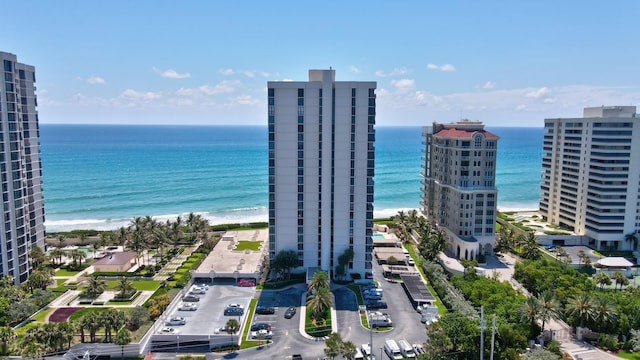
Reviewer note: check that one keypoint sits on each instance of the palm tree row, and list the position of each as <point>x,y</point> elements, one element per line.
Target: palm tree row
<point>432,241</point>
<point>320,296</point>
<point>111,321</point>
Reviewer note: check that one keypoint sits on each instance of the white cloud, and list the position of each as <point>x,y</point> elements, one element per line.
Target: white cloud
<point>227,71</point>
<point>172,74</point>
<point>489,85</point>
<point>354,69</point>
<point>403,85</point>
<point>394,72</point>
<point>445,67</point>
<point>95,80</point>
<point>536,94</point>
<point>246,100</point>
<point>131,94</point>
<point>225,86</point>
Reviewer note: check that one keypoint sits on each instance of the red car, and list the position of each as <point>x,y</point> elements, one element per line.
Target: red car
<point>246,282</point>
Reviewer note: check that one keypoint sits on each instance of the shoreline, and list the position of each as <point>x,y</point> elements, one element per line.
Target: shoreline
<point>242,217</point>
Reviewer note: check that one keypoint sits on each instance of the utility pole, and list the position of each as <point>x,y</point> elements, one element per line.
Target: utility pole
<point>371,343</point>
<point>482,333</point>
<point>493,334</point>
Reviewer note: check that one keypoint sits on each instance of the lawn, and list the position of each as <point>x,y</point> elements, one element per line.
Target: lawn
<point>248,245</point>
<point>248,344</point>
<point>42,315</point>
<point>59,282</point>
<point>629,355</point>
<point>318,330</point>
<point>63,272</point>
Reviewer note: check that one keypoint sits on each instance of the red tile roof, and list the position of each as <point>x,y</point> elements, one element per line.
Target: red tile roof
<point>457,133</point>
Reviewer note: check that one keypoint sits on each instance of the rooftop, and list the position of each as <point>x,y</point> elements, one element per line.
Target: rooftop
<point>116,258</point>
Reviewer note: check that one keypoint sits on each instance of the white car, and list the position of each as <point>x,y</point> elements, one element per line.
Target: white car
<point>235,306</point>
<point>261,334</point>
<point>204,286</point>
<point>168,330</point>
<point>188,307</point>
<point>197,290</point>
<point>177,320</point>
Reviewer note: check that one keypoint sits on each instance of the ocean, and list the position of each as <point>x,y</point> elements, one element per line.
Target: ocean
<point>101,176</point>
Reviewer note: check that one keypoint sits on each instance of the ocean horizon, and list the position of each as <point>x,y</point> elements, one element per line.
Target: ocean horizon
<point>101,176</point>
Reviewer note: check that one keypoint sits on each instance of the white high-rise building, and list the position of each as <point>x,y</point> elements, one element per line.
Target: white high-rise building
<point>321,167</point>
<point>459,189</point>
<point>591,175</point>
<point>22,225</point>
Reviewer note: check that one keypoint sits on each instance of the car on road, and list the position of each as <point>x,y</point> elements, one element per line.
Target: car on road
<point>261,334</point>
<point>291,311</point>
<point>188,307</point>
<point>265,310</point>
<point>177,320</point>
<point>260,326</point>
<point>374,305</point>
<point>168,330</point>
<point>233,311</point>
<point>191,298</point>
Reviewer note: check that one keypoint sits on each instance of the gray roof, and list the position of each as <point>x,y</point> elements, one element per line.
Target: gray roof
<point>116,258</point>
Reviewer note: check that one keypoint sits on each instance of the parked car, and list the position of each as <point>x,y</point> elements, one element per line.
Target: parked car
<point>246,282</point>
<point>372,296</point>
<point>235,306</point>
<point>264,334</point>
<point>260,326</point>
<point>197,290</point>
<point>296,357</point>
<point>233,311</point>
<point>410,261</point>
<point>188,307</point>
<point>419,349</point>
<point>168,330</point>
<point>291,311</point>
<point>204,286</point>
<point>177,320</point>
<point>366,351</point>
<point>265,310</point>
<point>373,305</point>
<point>191,298</point>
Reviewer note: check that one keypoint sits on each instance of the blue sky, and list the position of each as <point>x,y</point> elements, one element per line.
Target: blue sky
<point>506,63</point>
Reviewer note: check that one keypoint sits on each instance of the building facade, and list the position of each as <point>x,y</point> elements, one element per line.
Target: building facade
<point>459,191</point>
<point>591,175</point>
<point>321,168</point>
<point>22,227</point>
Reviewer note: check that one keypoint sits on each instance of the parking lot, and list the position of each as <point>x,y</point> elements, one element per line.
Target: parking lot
<point>209,317</point>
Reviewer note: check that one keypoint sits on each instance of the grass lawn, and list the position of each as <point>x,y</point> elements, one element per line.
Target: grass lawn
<point>248,344</point>
<point>39,317</point>
<point>248,245</point>
<point>63,272</point>
<point>78,314</point>
<point>143,285</point>
<point>59,282</point>
<point>629,355</point>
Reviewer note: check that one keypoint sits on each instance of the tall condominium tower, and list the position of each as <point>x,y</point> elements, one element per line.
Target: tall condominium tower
<point>321,167</point>
<point>22,210</point>
<point>591,175</point>
<point>459,185</point>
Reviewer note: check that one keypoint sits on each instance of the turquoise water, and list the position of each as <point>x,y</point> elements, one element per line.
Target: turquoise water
<point>101,176</point>
<point>377,236</point>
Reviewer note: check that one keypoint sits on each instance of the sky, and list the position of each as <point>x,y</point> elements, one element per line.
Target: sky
<point>506,63</point>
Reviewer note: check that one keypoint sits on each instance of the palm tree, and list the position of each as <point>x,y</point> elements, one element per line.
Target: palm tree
<point>601,279</point>
<point>349,350</point>
<point>37,257</point>
<point>123,337</point>
<point>632,238</point>
<point>529,246</point>
<point>32,350</point>
<point>66,333</point>
<point>531,310</point>
<point>78,255</point>
<point>620,279</point>
<point>581,256</point>
<point>60,241</point>
<point>231,327</point>
<point>581,307</point>
<point>549,307</point>
<point>56,253</point>
<point>111,320</point>
<point>604,311</point>
<point>318,280</point>
<point>91,322</point>
<point>318,302</point>
<point>7,335</point>
<point>125,287</point>
<point>95,287</point>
